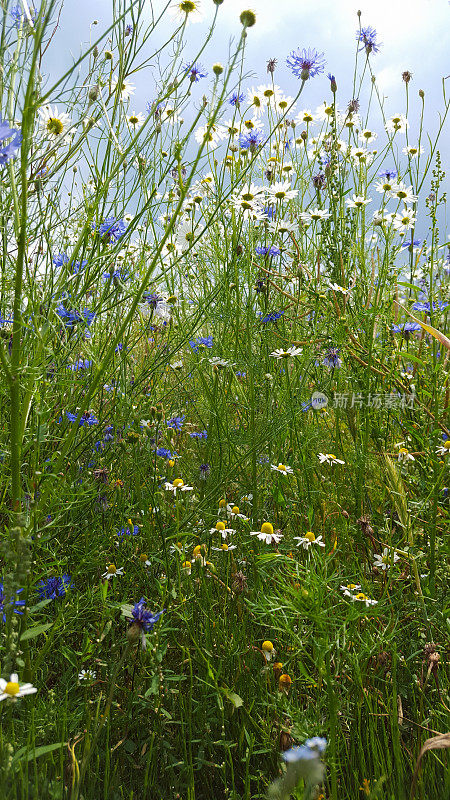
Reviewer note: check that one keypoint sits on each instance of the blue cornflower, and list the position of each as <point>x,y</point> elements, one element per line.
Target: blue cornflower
<point>414,243</point>
<point>142,622</point>
<point>20,17</point>
<point>86,419</point>
<point>63,258</point>
<point>112,229</point>
<point>368,37</point>
<point>196,71</point>
<point>54,587</point>
<point>205,469</point>
<point>270,212</point>
<point>268,251</point>
<point>10,150</point>
<point>236,99</point>
<point>426,306</point>
<point>250,141</point>
<point>199,435</point>
<point>12,602</point>
<point>332,360</point>
<point>153,299</point>
<point>164,453</point>
<point>389,174</point>
<point>272,317</point>
<point>176,423</point>
<point>108,433</point>
<point>133,531</point>
<point>82,363</point>
<point>406,328</point>
<point>306,64</point>
<point>201,341</point>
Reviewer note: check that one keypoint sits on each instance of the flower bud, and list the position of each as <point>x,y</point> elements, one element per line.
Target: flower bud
<point>217,69</point>
<point>248,18</point>
<point>108,55</point>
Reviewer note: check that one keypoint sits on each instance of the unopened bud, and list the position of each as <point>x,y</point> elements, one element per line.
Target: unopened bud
<point>248,18</point>
<point>217,69</point>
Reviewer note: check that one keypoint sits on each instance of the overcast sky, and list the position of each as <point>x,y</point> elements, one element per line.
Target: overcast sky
<point>415,36</point>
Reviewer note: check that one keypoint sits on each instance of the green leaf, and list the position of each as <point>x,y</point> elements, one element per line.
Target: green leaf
<point>31,633</point>
<point>233,698</point>
<point>28,754</point>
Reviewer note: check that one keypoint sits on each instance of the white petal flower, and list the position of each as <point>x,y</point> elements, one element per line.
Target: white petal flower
<point>112,572</point>
<point>283,468</point>
<point>289,353</point>
<point>309,539</point>
<point>126,88</point>
<point>385,561</point>
<point>329,458</point>
<point>12,689</point>
<point>55,125</point>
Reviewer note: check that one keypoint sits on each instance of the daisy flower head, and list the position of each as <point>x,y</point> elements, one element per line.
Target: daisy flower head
<point>309,539</point>
<point>177,485</point>
<point>362,598</point>
<point>268,650</point>
<point>282,468</point>
<point>87,675</point>
<point>135,120</point>
<point>444,449</point>
<point>397,124</point>
<point>413,151</point>
<point>12,689</point>
<point>289,353</point>
<point>329,458</point>
<point>306,63</point>
<point>315,215</point>
<point>112,572</point>
<point>350,588</point>
<point>224,547</point>
<point>221,528</point>
<point>386,560</point>
<point>125,88</point>
<point>403,192</point>
<point>404,220</point>
<point>305,117</point>
<point>358,201</point>
<point>186,11</point>
<point>54,124</point>
<point>282,190</point>
<point>267,534</point>
<point>234,513</point>
<point>403,452</point>
<point>257,101</point>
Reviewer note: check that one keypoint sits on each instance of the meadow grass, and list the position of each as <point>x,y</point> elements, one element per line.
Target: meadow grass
<point>225,440</point>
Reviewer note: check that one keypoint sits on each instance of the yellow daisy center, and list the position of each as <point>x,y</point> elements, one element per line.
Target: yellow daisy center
<point>361,596</point>
<point>222,503</point>
<point>446,444</point>
<point>220,526</point>
<point>282,467</point>
<point>112,569</point>
<point>187,6</point>
<point>224,546</point>
<point>12,688</point>
<point>267,646</point>
<point>267,527</point>
<point>178,483</point>
<point>310,536</point>
<point>143,557</point>
<point>54,125</point>
<point>235,510</point>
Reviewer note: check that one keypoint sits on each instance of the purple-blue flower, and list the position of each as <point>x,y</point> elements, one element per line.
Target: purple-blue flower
<point>236,99</point>
<point>143,620</point>
<point>306,63</point>
<point>196,71</point>
<point>199,435</point>
<point>268,251</point>
<point>272,317</point>
<point>250,141</point>
<point>10,150</point>
<point>332,360</point>
<point>111,228</point>
<point>17,604</point>
<point>368,38</point>
<point>54,587</point>
<point>176,423</point>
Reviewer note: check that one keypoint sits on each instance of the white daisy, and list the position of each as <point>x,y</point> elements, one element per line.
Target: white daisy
<point>289,353</point>
<point>283,468</point>
<point>358,201</point>
<point>444,449</point>
<point>54,124</point>
<point>126,88</point>
<point>404,220</point>
<point>413,151</point>
<point>87,675</point>
<point>350,588</point>
<point>282,191</point>
<point>135,120</point>
<point>177,486</point>
<point>267,535</point>
<point>257,101</point>
<point>211,134</point>
<point>386,560</point>
<point>315,215</point>
<point>362,598</point>
<point>224,548</point>
<point>234,513</point>
<point>12,689</point>
<point>403,192</point>
<point>367,136</point>
<point>112,572</point>
<point>305,117</point>
<point>308,539</point>
<point>329,458</point>
<point>220,528</point>
<point>403,453</point>
<point>397,124</point>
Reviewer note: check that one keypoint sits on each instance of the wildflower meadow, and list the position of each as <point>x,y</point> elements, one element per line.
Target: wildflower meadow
<point>225,430</point>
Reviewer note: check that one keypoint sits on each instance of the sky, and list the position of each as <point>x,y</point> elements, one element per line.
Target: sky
<point>415,36</point>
